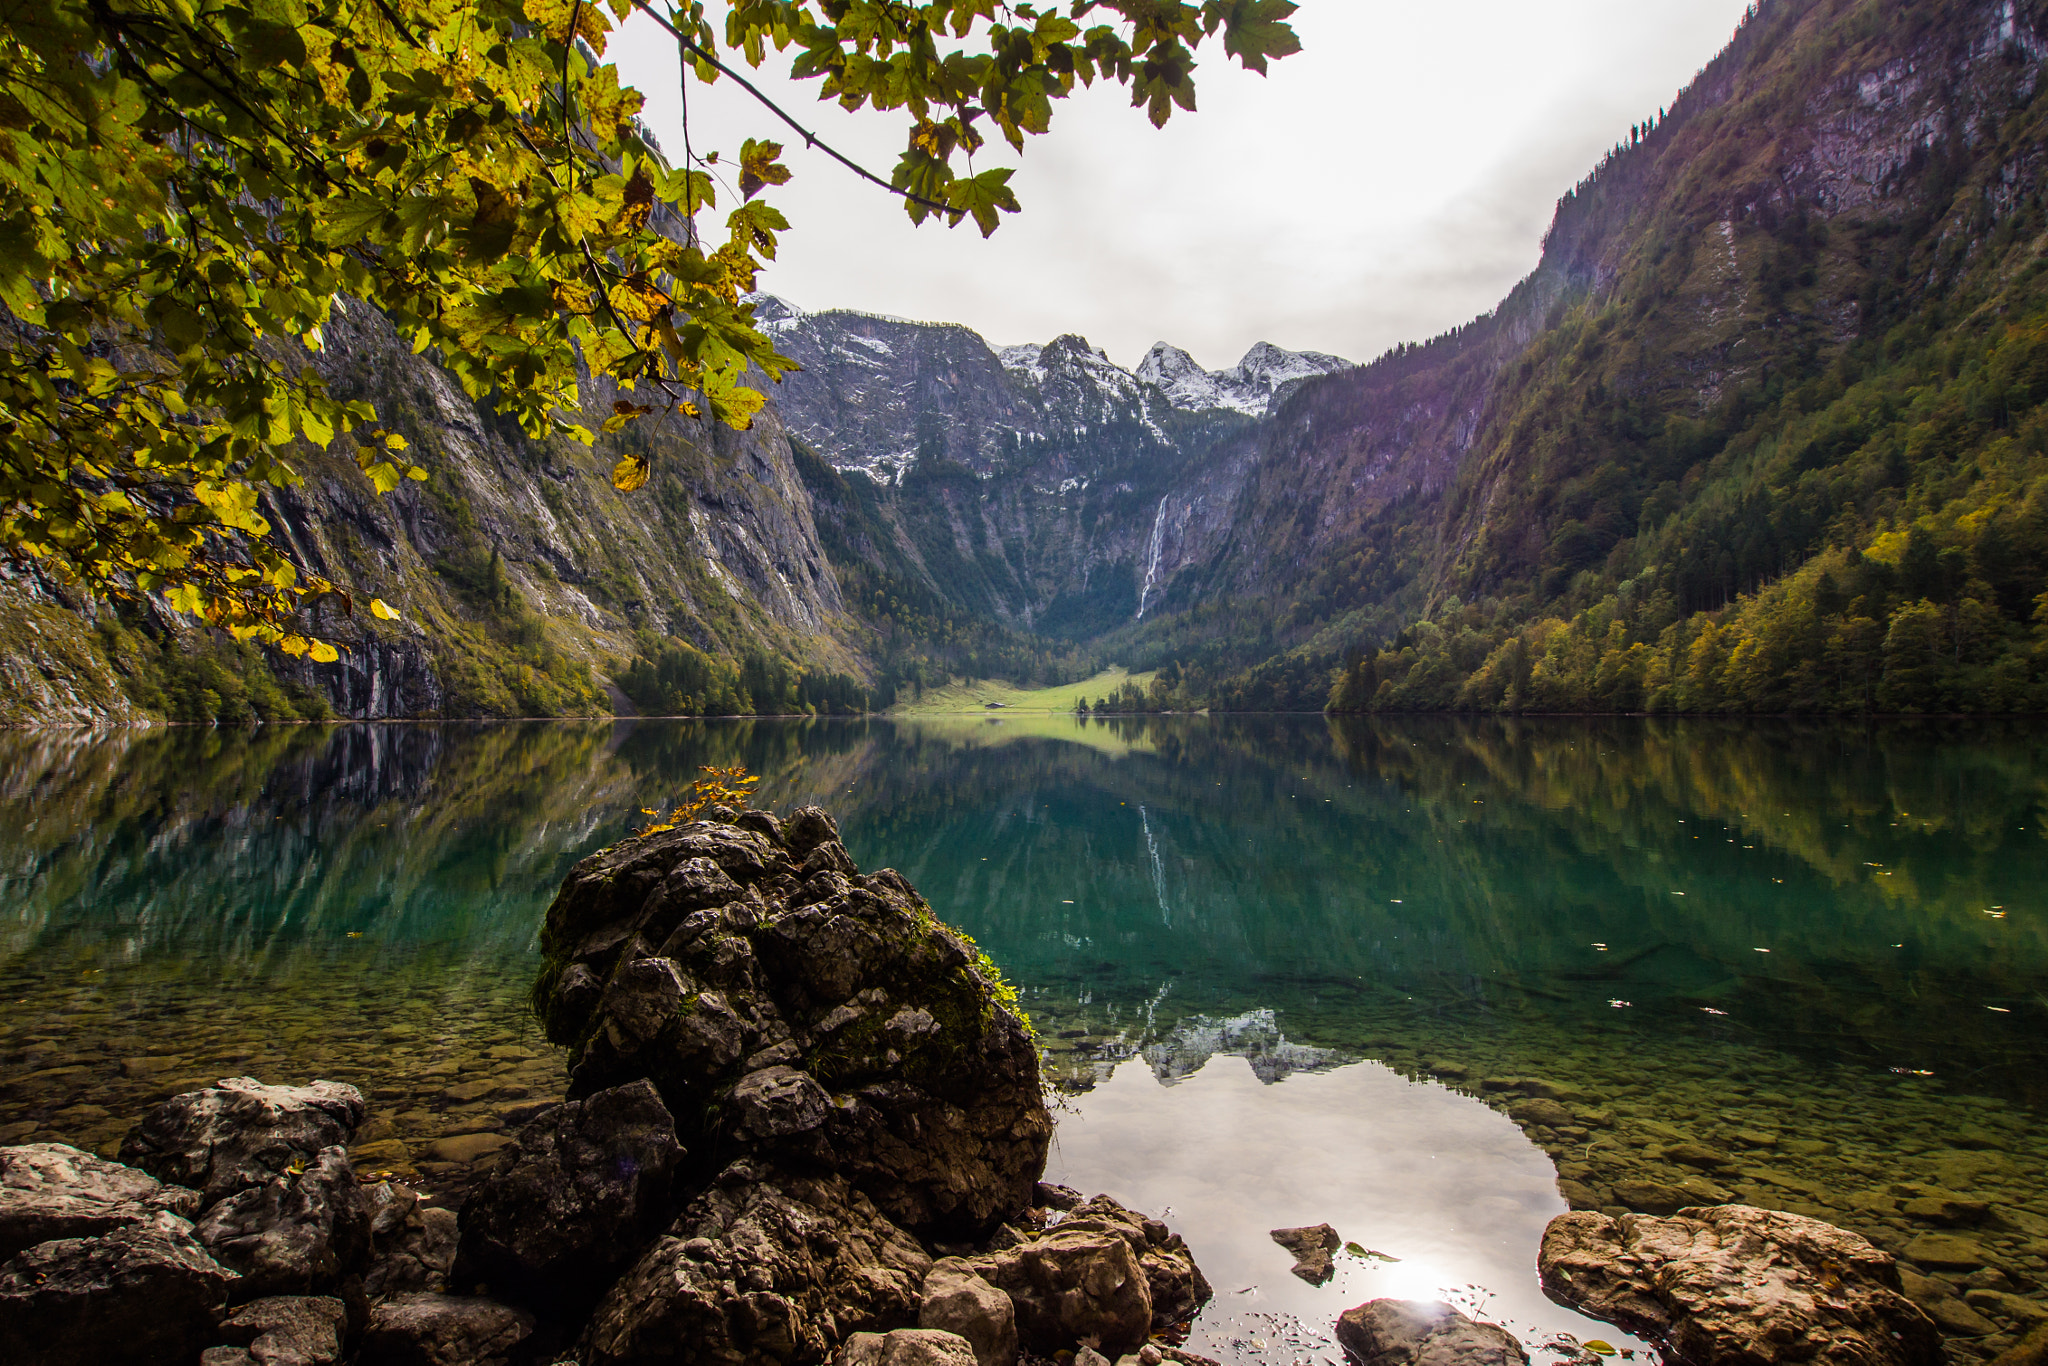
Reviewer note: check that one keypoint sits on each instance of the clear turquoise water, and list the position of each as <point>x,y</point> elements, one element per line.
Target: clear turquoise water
<point>1274,959</point>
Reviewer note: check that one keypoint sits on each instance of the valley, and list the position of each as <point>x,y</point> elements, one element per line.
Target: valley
<point>1763,431</point>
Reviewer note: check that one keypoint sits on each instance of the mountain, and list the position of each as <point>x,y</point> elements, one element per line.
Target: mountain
<point>1766,429</point>
<point>1762,432</point>
<point>1265,376</point>
<point>522,577</point>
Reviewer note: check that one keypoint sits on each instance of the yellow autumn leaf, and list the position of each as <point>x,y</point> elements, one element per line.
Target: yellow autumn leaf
<point>382,610</point>
<point>323,653</point>
<point>630,473</point>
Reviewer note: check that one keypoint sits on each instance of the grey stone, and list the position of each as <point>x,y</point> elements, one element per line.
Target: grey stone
<point>766,1266</point>
<point>956,1300</point>
<point>144,1294</point>
<point>1419,1333</point>
<point>1736,1283</point>
<point>52,1190</point>
<point>580,1194</point>
<point>301,1233</point>
<point>412,1246</point>
<point>241,1133</point>
<point>906,1347</point>
<point>443,1330</point>
<point>285,1330</point>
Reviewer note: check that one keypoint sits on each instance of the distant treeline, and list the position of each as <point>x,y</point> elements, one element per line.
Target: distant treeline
<point>674,678</point>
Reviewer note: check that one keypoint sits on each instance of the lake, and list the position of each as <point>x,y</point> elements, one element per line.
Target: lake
<point>1422,978</point>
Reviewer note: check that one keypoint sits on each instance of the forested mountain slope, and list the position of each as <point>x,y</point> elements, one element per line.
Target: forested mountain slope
<point>1776,442</point>
<point>519,573</point>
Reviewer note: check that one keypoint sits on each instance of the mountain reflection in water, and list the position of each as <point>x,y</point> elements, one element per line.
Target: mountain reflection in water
<point>1818,949</point>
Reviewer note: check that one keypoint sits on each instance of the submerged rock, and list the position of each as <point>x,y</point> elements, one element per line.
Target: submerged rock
<point>765,1266</point>
<point>52,1190</point>
<point>786,1005</point>
<point>241,1133</point>
<point>146,1293</point>
<point>581,1191</point>
<point>1313,1249</point>
<point>301,1233</point>
<point>1735,1283</point>
<point>1420,1333</point>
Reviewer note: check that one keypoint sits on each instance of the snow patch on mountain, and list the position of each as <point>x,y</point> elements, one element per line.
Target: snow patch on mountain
<point>1266,373</point>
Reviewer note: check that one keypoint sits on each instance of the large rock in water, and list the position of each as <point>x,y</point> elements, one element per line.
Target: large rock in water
<point>240,1133</point>
<point>301,1233</point>
<point>1423,1333</point>
<point>1733,1285</point>
<point>52,1190</point>
<point>583,1188</point>
<point>764,1267</point>
<point>786,1005</point>
<point>1102,1273</point>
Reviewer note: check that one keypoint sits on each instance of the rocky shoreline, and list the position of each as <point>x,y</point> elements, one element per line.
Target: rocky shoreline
<point>802,1123</point>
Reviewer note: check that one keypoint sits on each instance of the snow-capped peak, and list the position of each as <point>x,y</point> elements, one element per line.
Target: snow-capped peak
<point>1248,388</point>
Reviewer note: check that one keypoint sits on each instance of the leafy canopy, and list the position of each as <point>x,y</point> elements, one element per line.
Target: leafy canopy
<point>190,188</point>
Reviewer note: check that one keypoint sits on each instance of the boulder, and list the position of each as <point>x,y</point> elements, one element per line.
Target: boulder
<point>906,1347</point>
<point>412,1246</point>
<point>240,1133</point>
<point>142,1294</point>
<point>285,1330</point>
<point>1420,1333</point>
<point>1313,1249</point>
<point>956,1300</point>
<point>301,1233</point>
<point>787,1006</point>
<point>52,1190</point>
<point>580,1193</point>
<point>443,1330</point>
<point>766,1266</point>
<point>1070,1284</point>
<point>1733,1283</point>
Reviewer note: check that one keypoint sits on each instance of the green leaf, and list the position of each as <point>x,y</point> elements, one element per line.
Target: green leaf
<point>1598,1347</point>
<point>984,196</point>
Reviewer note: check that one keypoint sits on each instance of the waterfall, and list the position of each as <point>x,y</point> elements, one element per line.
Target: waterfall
<point>1152,568</point>
<point>1158,871</point>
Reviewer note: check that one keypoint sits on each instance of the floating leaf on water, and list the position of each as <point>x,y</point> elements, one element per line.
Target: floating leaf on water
<point>1368,1254</point>
<point>1599,1346</point>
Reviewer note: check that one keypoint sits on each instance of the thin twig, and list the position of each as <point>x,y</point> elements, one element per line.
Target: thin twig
<point>810,139</point>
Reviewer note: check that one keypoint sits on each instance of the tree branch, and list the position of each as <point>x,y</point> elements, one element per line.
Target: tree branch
<point>810,139</point>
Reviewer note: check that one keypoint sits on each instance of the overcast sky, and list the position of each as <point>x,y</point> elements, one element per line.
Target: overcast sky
<point>1390,182</point>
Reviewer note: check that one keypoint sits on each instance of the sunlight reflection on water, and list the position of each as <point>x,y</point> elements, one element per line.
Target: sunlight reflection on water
<point>1410,1169</point>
